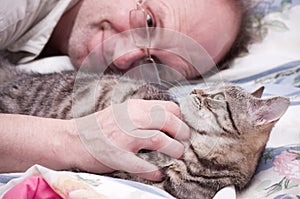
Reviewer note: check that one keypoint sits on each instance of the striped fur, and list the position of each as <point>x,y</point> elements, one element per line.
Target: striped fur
<point>54,96</point>
<point>227,135</point>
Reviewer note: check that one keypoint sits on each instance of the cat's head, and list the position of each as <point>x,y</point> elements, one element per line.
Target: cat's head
<point>226,108</point>
<point>231,126</point>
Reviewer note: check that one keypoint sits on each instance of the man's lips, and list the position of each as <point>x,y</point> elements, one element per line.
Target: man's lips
<point>112,69</point>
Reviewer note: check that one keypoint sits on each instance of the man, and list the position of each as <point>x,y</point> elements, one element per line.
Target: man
<point>105,30</point>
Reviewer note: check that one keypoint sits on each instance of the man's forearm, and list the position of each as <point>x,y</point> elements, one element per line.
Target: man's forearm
<point>28,140</point>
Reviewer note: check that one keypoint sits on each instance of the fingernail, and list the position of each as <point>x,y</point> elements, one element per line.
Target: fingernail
<point>185,133</point>
<point>159,176</point>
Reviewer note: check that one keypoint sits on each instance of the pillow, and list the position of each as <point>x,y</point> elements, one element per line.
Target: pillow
<point>280,25</point>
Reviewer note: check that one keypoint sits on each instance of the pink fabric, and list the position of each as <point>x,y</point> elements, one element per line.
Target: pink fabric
<point>32,188</point>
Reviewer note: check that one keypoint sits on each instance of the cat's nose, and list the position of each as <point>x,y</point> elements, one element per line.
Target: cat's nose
<point>199,92</point>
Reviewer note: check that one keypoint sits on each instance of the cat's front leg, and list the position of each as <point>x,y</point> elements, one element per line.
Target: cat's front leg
<point>150,92</point>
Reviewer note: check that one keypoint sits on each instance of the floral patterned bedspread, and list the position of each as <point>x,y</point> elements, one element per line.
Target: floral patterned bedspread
<point>278,175</point>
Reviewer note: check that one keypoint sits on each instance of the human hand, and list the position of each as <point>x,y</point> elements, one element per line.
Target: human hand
<point>114,135</point>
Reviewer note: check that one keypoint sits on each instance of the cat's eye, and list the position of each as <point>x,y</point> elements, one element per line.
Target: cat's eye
<point>219,97</point>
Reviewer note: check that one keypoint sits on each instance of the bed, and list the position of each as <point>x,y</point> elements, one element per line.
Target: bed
<point>273,62</point>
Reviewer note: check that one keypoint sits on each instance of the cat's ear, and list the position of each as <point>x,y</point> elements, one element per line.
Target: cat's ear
<point>258,92</point>
<point>270,110</point>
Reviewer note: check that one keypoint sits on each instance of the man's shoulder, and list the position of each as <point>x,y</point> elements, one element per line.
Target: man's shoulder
<point>29,26</point>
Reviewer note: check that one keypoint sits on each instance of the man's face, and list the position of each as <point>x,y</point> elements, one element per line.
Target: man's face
<point>101,31</point>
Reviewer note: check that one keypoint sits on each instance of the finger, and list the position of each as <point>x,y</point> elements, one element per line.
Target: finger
<point>137,166</point>
<point>153,175</point>
<point>164,105</point>
<point>173,148</point>
<point>169,123</point>
<point>171,107</point>
<point>159,141</point>
<point>176,127</point>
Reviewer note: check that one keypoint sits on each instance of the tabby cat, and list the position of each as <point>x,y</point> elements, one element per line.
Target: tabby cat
<point>229,126</point>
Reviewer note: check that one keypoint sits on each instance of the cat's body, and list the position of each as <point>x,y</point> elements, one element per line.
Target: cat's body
<point>54,96</point>
<point>229,127</point>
